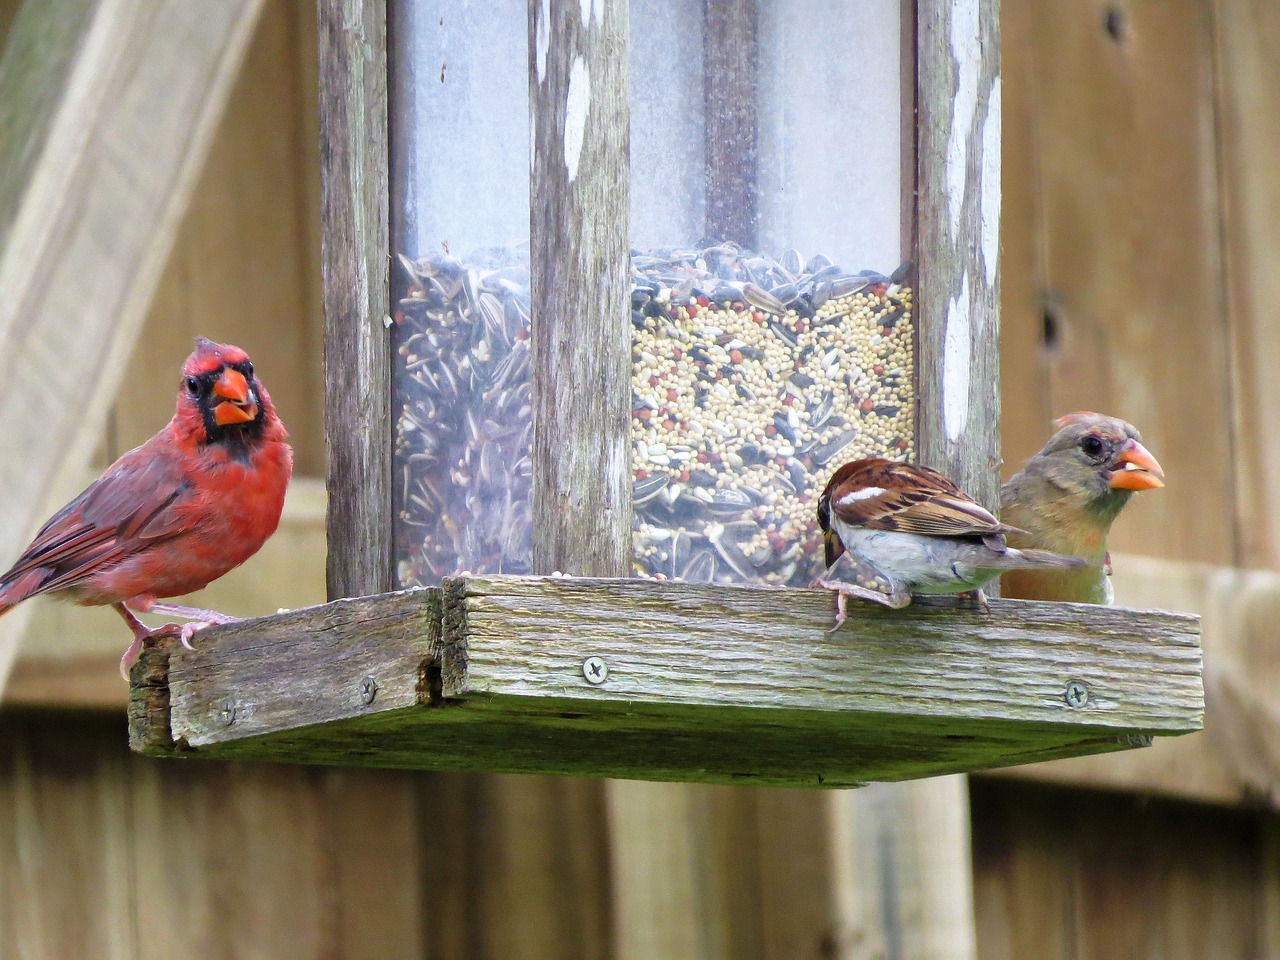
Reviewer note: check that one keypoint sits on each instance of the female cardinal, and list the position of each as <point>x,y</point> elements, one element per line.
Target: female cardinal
<point>1067,497</point>
<point>170,516</point>
<point>893,529</point>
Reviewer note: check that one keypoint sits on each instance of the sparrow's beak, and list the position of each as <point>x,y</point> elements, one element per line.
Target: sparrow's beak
<point>237,404</point>
<point>1136,469</point>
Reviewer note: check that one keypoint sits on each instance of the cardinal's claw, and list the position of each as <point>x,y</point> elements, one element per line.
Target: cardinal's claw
<point>130,657</point>
<point>189,630</point>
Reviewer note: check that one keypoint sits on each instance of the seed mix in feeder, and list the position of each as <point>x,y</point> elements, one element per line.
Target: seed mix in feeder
<point>753,380</point>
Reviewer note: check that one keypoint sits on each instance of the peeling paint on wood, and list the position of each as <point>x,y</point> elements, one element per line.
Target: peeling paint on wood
<point>958,241</point>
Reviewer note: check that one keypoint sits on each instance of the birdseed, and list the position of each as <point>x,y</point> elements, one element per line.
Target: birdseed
<point>754,379</point>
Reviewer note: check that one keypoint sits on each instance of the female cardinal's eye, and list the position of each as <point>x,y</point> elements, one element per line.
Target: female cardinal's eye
<point>192,384</point>
<point>1091,445</point>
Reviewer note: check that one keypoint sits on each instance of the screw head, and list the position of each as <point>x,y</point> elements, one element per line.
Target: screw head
<point>227,711</point>
<point>368,690</point>
<point>1077,693</point>
<point>595,670</point>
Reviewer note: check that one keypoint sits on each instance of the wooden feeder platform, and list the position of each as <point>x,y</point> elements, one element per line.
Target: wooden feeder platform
<point>670,681</point>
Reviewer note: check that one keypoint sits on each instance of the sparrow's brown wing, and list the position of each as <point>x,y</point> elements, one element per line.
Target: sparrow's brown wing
<point>886,495</point>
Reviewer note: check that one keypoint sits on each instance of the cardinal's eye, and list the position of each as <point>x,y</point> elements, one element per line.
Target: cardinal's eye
<point>1091,445</point>
<point>192,385</point>
<point>248,370</point>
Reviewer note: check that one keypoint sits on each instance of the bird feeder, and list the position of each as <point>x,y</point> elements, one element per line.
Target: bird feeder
<point>745,266</point>
<point>611,289</point>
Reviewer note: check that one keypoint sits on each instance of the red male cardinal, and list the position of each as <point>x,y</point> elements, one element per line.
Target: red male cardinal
<point>893,529</point>
<point>196,500</point>
<point>1067,497</point>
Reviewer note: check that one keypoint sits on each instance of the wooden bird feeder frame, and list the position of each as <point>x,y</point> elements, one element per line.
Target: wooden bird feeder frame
<point>604,675</point>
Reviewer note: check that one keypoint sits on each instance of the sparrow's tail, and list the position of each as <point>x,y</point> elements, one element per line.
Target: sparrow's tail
<point>1024,559</point>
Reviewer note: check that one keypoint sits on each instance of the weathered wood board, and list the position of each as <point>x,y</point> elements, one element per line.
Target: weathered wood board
<point>704,683</point>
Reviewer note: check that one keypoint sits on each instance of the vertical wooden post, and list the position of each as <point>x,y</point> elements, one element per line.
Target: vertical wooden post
<point>579,211</point>
<point>357,356</point>
<point>958,325</point>
<point>579,203</point>
<point>916,835</point>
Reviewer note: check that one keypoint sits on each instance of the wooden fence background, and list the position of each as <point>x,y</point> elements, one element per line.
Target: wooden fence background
<point>1141,277</point>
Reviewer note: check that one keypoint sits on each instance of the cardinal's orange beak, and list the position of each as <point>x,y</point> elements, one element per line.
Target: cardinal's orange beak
<point>1136,469</point>
<point>237,405</point>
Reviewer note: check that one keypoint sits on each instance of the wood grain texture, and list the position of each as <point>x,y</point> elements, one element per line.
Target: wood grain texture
<point>1236,758</point>
<point>687,873</point>
<point>958,212</point>
<point>110,122</point>
<point>357,355</point>
<point>64,843</point>
<point>1059,874</point>
<point>913,837</point>
<point>579,210</point>
<point>735,684</point>
<point>322,674</point>
<point>1246,36</point>
<point>103,854</point>
<point>1129,254</point>
<point>285,862</point>
<point>1025,353</point>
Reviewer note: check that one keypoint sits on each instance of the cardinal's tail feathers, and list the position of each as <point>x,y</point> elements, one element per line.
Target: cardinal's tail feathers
<point>1042,558</point>
<point>20,588</point>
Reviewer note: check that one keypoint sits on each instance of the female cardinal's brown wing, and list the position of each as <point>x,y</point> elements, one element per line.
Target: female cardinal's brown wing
<point>880,494</point>
<point>131,503</point>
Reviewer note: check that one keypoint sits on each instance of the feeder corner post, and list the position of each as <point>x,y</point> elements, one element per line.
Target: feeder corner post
<point>579,257</point>
<point>355,207</point>
<point>958,242</point>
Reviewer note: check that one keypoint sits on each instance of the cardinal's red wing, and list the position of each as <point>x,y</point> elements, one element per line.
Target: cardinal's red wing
<point>132,502</point>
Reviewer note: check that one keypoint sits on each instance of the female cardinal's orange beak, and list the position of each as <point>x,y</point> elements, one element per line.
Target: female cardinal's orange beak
<point>1136,469</point>
<point>236,405</point>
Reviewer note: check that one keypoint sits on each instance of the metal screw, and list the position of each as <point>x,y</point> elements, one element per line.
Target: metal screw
<point>1077,694</point>
<point>228,711</point>
<point>368,690</point>
<point>595,670</point>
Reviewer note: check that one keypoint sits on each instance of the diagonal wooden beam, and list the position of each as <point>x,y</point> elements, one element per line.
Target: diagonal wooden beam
<point>107,108</point>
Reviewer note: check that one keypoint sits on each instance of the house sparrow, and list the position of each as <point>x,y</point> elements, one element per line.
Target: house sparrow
<point>168,517</point>
<point>893,529</point>
<point>1067,497</point>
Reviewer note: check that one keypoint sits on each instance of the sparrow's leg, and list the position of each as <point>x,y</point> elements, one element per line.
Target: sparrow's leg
<point>845,590</point>
<point>979,599</point>
<point>854,576</point>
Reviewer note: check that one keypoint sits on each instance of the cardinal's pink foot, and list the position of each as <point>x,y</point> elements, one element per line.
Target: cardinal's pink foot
<point>184,632</point>
<point>200,618</point>
<point>141,634</point>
